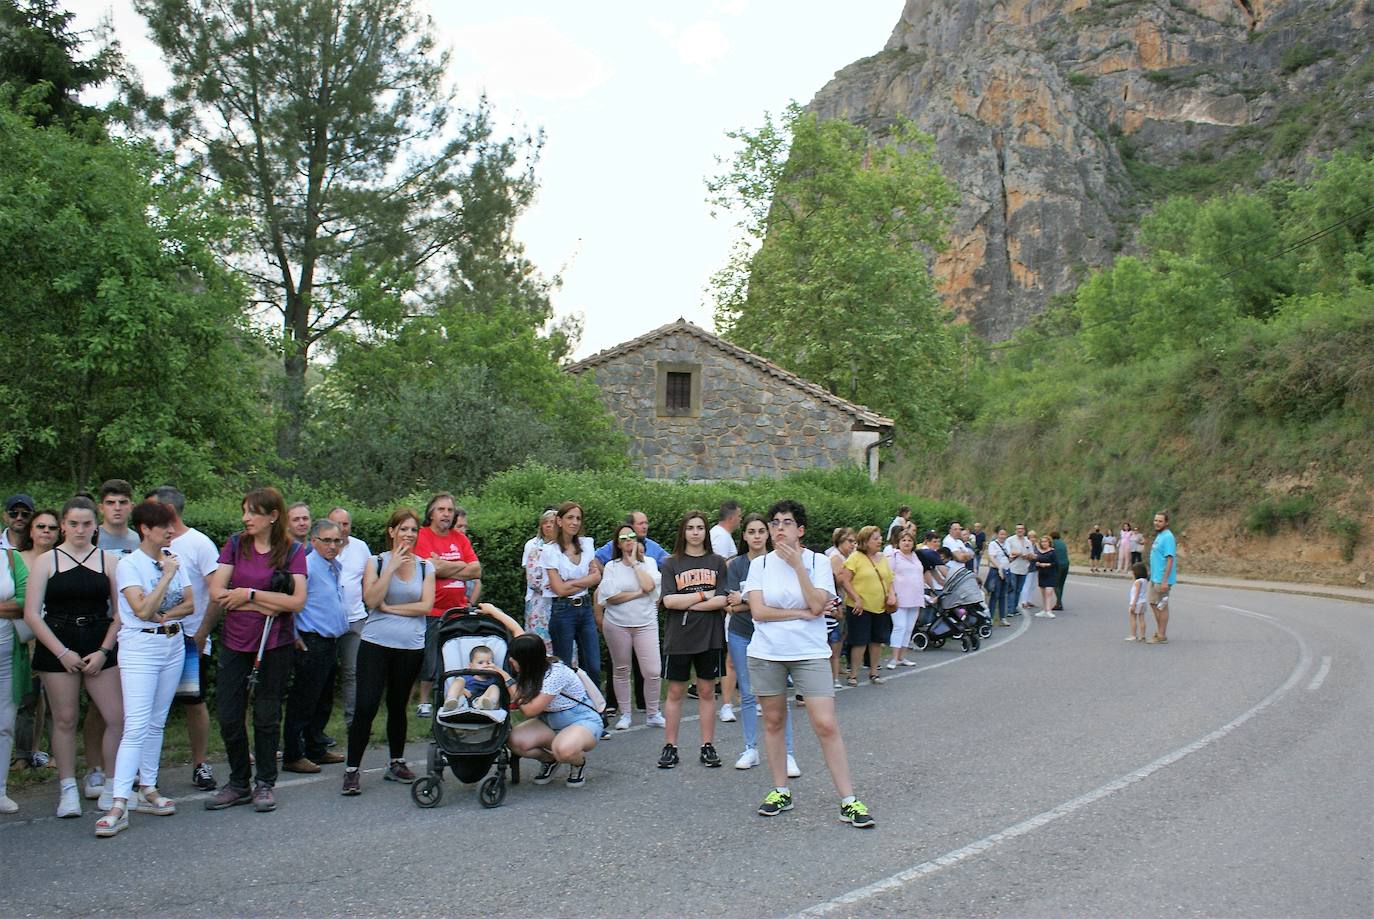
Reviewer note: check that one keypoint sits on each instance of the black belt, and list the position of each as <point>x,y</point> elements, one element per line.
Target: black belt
<point>80,622</point>
<point>173,629</point>
<point>574,601</point>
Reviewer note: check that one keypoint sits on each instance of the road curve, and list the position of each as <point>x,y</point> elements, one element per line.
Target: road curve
<point>1058,772</point>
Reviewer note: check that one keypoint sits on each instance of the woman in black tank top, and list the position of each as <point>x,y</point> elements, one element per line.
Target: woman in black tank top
<point>76,641</point>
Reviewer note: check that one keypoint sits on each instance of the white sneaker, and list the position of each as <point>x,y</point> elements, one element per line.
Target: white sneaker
<point>69,804</point>
<point>748,759</point>
<point>424,710</point>
<point>891,665</point>
<point>106,800</point>
<point>793,770</point>
<point>7,805</point>
<point>93,785</point>
<point>727,712</point>
<point>453,706</point>
<point>623,722</point>
<point>656,721</point>
<point>908,663</point>
<point>1044,614</point>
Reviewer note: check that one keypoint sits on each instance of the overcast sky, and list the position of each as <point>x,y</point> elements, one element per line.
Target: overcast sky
<point>635,98</point>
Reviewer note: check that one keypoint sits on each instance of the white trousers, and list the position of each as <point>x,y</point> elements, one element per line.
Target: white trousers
<point>7,706</point>
<point>149,670</point>
<point>903,621</point>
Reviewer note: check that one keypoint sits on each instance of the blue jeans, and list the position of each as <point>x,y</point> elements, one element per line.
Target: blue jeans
<point>571,623</point>
<point>748,711</point>
<point>997,594</point>
<point>1013,601</point>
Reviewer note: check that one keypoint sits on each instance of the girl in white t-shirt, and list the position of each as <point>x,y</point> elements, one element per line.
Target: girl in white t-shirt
<point>1138,602</point>
<point>572,573</point>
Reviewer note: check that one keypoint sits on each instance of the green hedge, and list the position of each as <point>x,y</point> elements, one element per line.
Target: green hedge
<point>503,515</point>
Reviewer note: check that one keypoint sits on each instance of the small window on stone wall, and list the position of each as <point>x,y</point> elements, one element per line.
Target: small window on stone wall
<point>678,390</point>
<point>678,396</point>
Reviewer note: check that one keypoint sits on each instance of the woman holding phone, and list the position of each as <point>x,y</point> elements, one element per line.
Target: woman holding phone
<point>398,589</point>
<point>154,595</point>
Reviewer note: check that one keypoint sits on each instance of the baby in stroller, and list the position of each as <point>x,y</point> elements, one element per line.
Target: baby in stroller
<point>475,692</point>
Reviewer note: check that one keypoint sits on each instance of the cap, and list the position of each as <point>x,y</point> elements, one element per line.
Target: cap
<point>931,534</point>
<point>14,501</point>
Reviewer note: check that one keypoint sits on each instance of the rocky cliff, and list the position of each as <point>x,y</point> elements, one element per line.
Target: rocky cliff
<point>1060,120</point>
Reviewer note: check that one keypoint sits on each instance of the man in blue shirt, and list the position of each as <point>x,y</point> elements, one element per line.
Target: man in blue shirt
<point>639,522</point>
<point>1163,576</point>
<point>318,627</point>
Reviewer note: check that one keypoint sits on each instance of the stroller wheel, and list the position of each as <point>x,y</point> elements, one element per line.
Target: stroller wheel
<point>492,791</point>
<point>974,640</point>
<point>966,642</point>
<point>920,641</point>
<point>984,631</point>
<point>427,791</point>
<point>938,643</point>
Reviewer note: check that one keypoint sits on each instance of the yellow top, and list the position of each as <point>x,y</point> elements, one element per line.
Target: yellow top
<point>871,581</point>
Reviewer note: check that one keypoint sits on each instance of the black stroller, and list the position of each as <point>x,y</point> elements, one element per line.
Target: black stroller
<point>467,741</point>
<point>956,612</point>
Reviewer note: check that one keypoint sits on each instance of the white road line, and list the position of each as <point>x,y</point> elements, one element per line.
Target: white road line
<point>964,853</point>
<point>1247,612</point>
<point>1320,678</point>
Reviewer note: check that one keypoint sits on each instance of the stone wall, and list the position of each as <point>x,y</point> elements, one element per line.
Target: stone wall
<point>749,424</point>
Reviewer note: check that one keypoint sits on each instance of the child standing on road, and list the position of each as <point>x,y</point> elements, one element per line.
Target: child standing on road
<point>1138,601</point>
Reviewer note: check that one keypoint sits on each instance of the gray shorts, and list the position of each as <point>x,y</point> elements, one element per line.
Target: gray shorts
<point>809,678</point>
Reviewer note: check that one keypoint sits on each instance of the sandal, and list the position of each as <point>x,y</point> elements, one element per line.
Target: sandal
<point>876,679</point>
<point>149,801</point>
<point>108,826</point>
<point>853,681</point>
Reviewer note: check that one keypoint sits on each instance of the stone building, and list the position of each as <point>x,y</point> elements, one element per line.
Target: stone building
<point>699,408</point>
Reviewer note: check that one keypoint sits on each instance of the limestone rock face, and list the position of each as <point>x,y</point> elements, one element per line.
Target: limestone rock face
<point>1060,120</point>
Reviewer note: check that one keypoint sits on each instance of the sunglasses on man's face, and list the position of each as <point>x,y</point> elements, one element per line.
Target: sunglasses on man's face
<point>19,512</point>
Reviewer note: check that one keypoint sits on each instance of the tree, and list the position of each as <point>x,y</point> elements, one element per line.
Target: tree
<point>455,397</point>
<point>328,123</point>
<point>38,49</point>
<point>127,353</point>
<point>830,279</point>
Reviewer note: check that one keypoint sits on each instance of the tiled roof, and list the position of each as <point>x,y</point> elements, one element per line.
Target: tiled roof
<point>859,412</point>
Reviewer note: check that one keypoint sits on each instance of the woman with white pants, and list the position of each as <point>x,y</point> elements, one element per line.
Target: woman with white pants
<point>908,580</point>
<point>154,593</point>
<point>13,574</point>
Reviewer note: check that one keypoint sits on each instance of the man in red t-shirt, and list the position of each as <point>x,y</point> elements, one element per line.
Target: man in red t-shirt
<point>454,562</point>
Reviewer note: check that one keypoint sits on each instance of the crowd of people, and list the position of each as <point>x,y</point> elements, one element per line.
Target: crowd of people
<point>124,600</point>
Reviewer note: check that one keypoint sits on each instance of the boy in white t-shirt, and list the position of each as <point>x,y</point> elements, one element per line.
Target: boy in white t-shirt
<point>788,591</point>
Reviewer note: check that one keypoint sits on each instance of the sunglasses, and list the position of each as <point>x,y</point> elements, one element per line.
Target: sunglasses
<point>19,512</point>
<point>41,527</point>
<point>630,538</point>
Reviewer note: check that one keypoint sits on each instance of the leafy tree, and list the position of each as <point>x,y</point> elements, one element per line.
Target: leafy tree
<point>456,396</point>
<point>330,126</point>
<point>39,49</point>
<point>830,279</point>
<point>126,348</point>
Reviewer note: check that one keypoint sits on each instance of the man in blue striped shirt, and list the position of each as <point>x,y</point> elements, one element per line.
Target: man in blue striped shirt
<point>318,627</point>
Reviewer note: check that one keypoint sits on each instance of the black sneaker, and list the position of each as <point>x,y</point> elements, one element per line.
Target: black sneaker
<point>668,758</point>
<point>774,803</point>
<point>692,691</point>
<point>856,815</point>
<point>709,756</point>
<point>203,777</point>
<point>546,771</point>
<point>576,778</point>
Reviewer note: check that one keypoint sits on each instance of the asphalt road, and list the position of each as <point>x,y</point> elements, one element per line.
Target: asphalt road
<point>1058,772</point>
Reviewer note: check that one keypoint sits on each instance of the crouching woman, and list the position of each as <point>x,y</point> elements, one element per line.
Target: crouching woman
<point>563,725</point>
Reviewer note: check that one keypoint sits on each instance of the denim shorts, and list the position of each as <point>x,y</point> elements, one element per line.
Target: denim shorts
<point>578,714</point>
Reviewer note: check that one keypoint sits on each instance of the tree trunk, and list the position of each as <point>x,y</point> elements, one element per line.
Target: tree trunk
<point>295,351</point>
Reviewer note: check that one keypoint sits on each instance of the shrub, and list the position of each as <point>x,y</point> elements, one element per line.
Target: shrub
<point>1271,514</point>
<point>1348,530</point>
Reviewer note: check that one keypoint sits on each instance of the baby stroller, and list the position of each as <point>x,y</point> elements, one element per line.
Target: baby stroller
<point>468,741</point>
<point>958,612</point>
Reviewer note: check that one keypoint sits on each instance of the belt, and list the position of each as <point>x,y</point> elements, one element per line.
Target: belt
<point>173,629</point>
<point>572,601</point>
<point>79,621</point>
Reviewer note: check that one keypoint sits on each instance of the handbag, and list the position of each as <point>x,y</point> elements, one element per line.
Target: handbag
<point>888,607</point>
